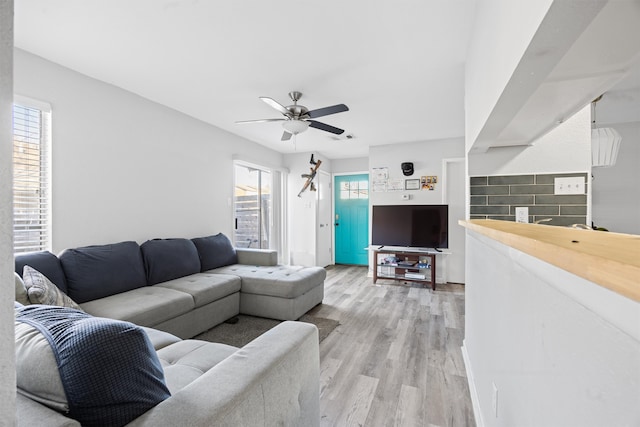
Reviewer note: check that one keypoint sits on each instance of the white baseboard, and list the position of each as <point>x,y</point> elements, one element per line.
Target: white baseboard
<point>472,388</point>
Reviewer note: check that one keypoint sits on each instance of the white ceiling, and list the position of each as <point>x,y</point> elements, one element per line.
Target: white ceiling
<point>398,65</point>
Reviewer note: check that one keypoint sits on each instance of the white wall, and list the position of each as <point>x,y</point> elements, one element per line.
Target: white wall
<point>7,351</point>
<point>562,351</point>
<point>567,148</point>
<point>355,164</point>
<point>427,160</point>
<point>616,190</point>
<point>125,168</point>
<point>501,34</point>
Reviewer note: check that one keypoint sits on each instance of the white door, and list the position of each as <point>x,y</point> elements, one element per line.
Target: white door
<point>455,198</point>
<point>323,225</point>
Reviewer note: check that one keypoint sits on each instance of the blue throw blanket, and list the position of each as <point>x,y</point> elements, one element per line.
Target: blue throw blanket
<point>109,370</point>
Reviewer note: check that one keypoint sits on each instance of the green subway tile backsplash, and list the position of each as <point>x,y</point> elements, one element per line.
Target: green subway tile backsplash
<point>496,197</point>
<point>511,200</point>
<point>478,180</point>
<point>489,210</point>
<point>510,179</point>
<point>573,210</point>
<point>531,189</point>
<point>565,199</point>
<point>478,200</point>
<point>489,189</point>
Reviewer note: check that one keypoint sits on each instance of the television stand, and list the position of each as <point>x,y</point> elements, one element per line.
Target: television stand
<point>411,266</point>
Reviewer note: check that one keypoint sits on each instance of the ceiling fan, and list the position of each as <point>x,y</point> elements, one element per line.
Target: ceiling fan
<point>298,118</point>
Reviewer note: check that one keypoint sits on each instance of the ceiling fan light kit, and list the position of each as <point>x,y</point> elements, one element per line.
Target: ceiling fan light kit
<point>297,118</point>
<point>605,142</point>
<point>605,145</point>
<point>295,126</point>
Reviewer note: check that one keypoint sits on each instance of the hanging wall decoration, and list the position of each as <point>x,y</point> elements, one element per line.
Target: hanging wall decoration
<point>309,176</point>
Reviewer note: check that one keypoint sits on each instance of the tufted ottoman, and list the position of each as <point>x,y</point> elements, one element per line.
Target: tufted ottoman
<point>278,291</point>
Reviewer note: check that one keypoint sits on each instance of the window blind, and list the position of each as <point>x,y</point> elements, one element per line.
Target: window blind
<point>31,179</point>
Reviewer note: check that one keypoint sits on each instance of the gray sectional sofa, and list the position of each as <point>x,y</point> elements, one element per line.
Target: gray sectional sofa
<point>175,289</point>
<point>180,286</point>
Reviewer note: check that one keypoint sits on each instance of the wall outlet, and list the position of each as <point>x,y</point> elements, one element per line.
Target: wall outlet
<point>522,214</point>
<point>569,185</point>
<point>494,400</point>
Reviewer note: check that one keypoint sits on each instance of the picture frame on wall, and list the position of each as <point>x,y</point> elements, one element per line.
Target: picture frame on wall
<point>411,184</point>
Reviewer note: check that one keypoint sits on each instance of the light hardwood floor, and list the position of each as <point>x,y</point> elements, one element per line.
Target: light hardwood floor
<point>395,359</point>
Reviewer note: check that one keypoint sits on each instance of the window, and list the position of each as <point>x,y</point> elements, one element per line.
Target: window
<point>259,208</point>
<point>354,190</point>
<point>252,206</point>
<point>31,177</point>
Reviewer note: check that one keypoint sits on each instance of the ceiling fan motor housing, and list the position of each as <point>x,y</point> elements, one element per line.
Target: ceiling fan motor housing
<point>298,111</point>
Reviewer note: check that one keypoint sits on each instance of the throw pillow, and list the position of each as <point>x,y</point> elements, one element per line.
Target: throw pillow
<point>168,259</point>
<point>21,290</point>
<point>108,369</point>
<point>98,271</point>
<point>215,251</point>
<point>40,290</point>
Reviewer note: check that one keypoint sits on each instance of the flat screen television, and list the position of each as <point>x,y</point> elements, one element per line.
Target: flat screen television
<point>418,226</point>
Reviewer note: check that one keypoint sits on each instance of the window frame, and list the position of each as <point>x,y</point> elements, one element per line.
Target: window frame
<point>278,230</point>
<point>22,178</point>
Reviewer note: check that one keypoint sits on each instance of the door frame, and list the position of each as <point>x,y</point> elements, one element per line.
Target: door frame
<point>445,187</point>
<point>333,208</point>
<point>332,213</point>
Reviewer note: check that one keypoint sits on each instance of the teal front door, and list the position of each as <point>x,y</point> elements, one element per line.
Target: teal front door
<point>351,220</point>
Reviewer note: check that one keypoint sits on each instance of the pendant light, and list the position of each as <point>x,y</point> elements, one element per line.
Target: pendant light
<point>605,142</point>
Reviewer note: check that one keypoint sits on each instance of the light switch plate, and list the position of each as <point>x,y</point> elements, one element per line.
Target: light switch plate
<point>568,185</point>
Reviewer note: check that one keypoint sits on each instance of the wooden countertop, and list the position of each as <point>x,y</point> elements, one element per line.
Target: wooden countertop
<point>611,260</point>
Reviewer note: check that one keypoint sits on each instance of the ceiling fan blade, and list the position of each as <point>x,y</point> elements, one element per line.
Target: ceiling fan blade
<point>286,136</point>
<point>325,127</point>
<point>339,108</point>
<point>260,121</point>
<point>275,104</point>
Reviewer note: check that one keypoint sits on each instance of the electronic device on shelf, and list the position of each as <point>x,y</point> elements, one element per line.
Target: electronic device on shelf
<point>413,226</point>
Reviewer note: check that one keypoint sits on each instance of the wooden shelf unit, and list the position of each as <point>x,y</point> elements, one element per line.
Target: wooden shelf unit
<point>394,271</point>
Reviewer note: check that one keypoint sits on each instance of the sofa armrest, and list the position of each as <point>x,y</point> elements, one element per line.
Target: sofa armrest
<point>257,256</point>
<point>273,380</point>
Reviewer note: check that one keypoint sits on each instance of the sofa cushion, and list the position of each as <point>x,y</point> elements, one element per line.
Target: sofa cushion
<point>109,370</point>
<point>167,259</point>
<point>146,306</point>
<point>160,339</point>
<point>21,290</point>
<point>187,360</point>
<point>284,281</point>
<point>252,256</point>
<point>215,251</point>
<point>98,271</point>
<point>46,263</point>
<point>40,290</point>
<point>205,287</point>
